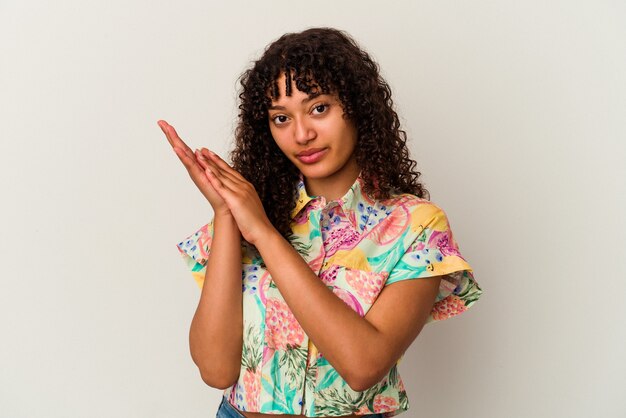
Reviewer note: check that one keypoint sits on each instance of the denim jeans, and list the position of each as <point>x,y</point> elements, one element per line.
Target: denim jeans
<point>226,410</point>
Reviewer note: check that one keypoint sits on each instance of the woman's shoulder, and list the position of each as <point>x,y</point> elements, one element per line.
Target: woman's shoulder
<point>408,201</point>
<point>410,211</point>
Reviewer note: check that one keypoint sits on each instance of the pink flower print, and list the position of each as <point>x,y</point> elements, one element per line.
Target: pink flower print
<point>303,216</point>
<point>281,327</point>
<point>204,243</point>
<point>349,300</point>
<point>316,263</point>
<point>367,284</point>
<point>363,410</point>
<point>252,388</point>
<point>384,404</point>
<point>264,286</point>
<point>198,245</point>
<point>350,239</point>
<point>268,353</point>
<point>233,392</point>
<point>390,228</point>
<point>329,275</point>
<point>444,242</point>
<point>419,246</point>
<point>352,217</point>
<point>448,307</point>
<point>340,238</point>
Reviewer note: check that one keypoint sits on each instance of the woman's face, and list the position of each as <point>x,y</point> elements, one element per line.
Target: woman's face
<point>314,135</point>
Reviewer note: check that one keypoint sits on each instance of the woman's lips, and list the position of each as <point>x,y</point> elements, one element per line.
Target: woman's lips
<point>313,158</point>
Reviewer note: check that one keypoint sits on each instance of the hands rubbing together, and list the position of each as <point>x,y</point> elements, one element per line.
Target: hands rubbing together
<point>228,192</point>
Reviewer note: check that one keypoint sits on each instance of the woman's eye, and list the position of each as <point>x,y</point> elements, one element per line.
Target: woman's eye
<point>320,108</point>
<point>279,119</point>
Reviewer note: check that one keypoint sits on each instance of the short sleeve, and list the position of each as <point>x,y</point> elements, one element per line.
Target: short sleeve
<point>195,250</point>
<point>431,250</point>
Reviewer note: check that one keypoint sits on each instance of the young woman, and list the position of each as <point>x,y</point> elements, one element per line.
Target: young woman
<point>319,224</point>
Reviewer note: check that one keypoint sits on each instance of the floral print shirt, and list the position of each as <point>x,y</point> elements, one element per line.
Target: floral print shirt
<point>356,245</point>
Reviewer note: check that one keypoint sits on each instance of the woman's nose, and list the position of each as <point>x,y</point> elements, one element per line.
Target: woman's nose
<point>304,132</point>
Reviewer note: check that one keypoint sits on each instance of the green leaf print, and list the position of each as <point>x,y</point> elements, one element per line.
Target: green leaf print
<point>198,267</point>
<point>327,380</point>
<point>322,362</point>
<point>403,270</point>
<point>471,292</point>
<point>284,405</point>
<point>422,236</point>
<point>293,360</point>
<point>403,400</point>
<point>311,376</point>
<point>303,248</point>
<point>290,394</point>
<point>274,370</point>
<point>267,387</point>
<point>370,404</point>
<point>335,403</point>
<point>386,261</point>
<point>251,355</point>
<point>393,376</point>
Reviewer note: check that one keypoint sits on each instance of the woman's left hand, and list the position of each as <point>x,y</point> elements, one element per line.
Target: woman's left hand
<point>240,197</point>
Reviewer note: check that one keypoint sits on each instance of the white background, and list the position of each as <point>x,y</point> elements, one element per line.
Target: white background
<point>516,114</point>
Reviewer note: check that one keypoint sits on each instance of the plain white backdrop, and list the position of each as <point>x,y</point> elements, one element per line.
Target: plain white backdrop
<point>516,116</point>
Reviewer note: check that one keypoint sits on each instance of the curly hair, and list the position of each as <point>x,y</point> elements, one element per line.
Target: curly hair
<point>320,60</point>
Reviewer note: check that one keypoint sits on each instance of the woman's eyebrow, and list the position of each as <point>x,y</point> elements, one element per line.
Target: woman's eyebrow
<point>304,101</point>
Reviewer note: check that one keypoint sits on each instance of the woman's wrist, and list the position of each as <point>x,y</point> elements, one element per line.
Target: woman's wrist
<point>224,220</point>
<point>264,235</point>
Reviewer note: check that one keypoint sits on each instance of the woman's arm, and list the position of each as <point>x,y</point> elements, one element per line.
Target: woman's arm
<point>216,334</point>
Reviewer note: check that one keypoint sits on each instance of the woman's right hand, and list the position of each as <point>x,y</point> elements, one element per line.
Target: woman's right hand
<point>195,165</point>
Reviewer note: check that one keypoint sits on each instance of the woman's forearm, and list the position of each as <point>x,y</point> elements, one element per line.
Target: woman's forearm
<point>216,334</point>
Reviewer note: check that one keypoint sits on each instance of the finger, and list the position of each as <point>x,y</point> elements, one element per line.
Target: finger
<point>224,165</point>
<point>217,168</point>
<point>206,158</point>
<point>165,128</point>
<point>205,162</point>
<point>219,186</point>
<point>190,162</point>
<point>201,159</point>
<point>196,172</point>
<point>172,136</point>
<point>233,185</point>
<point>186,156</point>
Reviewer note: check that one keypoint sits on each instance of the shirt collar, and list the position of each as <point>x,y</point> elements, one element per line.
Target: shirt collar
<point>349,201</point>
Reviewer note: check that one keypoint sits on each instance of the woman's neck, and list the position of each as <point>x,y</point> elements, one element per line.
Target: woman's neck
<point>335,186</point>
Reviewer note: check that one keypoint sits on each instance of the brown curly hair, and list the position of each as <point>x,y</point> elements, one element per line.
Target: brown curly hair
<point>320,60</point>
